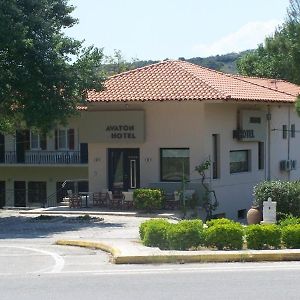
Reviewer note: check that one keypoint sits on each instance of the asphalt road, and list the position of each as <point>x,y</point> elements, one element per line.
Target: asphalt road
<point>32,267</point>
<point>196,281</point>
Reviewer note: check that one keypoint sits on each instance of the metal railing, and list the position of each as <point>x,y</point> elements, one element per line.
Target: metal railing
<point>42,157</point>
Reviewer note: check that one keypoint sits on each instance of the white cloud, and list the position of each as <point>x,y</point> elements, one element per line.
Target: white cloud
<point>247,37</point>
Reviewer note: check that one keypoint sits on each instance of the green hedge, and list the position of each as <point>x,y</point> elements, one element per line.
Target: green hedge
<point>143,226</point>
<point>291,236</point>
<point>263,236</point>
<point>147,199</point>
<point>154,233</point>
<point>221,221</point>
<point>186,234</point>
<point>222,234</point>
<point>181,236</point>
<point>225,236</point>
<point>289,220</point>
<point>285,193</point>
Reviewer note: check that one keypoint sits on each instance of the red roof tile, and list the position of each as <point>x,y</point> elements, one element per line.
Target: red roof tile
<point>179,80</point>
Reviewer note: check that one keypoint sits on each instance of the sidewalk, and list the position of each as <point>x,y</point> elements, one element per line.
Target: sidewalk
<point>125,248</point>
<point>61,210</point>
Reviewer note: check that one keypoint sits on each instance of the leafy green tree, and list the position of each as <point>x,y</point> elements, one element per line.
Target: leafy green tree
<point>43,73</point>
<point>279,57</point>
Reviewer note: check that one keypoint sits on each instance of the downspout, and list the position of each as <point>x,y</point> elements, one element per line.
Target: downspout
<point>268,170</point>
<point>289,140</point>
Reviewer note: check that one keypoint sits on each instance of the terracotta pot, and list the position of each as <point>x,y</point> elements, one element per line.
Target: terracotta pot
<point>254,215</point>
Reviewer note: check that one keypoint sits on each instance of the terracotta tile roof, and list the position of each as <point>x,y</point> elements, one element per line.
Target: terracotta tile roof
<point>275,84</point>
<point>81,107</point>
<point>180,80</point>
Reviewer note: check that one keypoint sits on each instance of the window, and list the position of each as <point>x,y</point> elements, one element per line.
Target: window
<point>38,141</point>
<point>239,161</point>
<point>284,131</point>
<point>37,192</point>
<point>242,213</point>
<point>174,164</point>
<point>34,141</point>
<point>64,139</point>
<point>293,131</point>
<point>255,120</point>
<point>215,156</point>
<point>261,155</point>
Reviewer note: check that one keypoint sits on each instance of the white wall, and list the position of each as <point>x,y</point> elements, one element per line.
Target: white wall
<point>234,191</point>
<point>167,125</point>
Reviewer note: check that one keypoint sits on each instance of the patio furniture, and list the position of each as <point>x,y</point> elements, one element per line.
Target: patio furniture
<point>100,199</point>
<point>172,200</point>
<point>127,200</point>
<point>115,199</point>
<point>85,197</point>
<point>75,201</point>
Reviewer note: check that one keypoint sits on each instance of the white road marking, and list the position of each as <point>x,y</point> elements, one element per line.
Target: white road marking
<point>59,261</point>
<point>187,270</point>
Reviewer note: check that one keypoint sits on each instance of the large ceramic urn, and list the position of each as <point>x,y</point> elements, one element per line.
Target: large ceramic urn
<point>254,215</point>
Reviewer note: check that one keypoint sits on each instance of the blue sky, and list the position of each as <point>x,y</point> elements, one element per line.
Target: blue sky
<point>159,29</point>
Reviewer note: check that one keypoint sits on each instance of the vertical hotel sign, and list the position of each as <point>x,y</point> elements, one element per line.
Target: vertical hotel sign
<point>112,127</point>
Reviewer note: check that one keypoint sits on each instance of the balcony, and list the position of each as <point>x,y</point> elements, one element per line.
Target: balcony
<point>43,157</point>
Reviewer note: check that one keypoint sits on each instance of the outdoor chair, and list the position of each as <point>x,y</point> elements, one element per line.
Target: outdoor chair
<point>100,199</point>
<point>75,201</point>
<point>172,200</point>
<point>127,200</point>
<point>115,199</point>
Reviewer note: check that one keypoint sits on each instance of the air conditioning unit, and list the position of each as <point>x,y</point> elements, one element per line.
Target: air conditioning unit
<point>293,164</point>
<point>288,165</point>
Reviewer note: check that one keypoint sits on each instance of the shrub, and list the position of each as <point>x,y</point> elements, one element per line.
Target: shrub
<point>285,193</point>
<point>143,226</point>
<point>154,233</point>
<point>291,236</point>
<point>228,235</point>
<point>147,199</point>
<point>221,221</point>
<point>185,235</point>
<point>289,220</point>
<point>263,236</point>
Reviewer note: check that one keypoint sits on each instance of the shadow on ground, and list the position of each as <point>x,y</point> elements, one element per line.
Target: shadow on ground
<point>13,227</point>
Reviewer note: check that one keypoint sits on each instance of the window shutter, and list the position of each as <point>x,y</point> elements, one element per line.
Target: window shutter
<point>56,139</point>
<point>26,139</point>
<point>71,142</point>
<point>43,141</point>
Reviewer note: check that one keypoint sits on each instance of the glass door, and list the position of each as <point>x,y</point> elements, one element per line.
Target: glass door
<point>123,169</point>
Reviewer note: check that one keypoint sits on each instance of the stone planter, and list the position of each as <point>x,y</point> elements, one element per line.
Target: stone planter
<point>254,215</point>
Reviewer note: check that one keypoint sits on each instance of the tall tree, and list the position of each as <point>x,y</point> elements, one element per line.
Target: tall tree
<point>279,57</point>
<point>43,73</point>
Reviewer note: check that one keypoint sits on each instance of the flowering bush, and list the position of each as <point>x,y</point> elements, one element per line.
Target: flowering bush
<point>285,193</point>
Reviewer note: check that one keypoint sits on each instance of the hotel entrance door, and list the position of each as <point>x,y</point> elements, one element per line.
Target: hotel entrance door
<point>123,169</point>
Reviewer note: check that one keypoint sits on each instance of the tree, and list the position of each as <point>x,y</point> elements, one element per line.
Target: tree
<point>116,63</point>
<point>279,57</point>
<point>43,73</point>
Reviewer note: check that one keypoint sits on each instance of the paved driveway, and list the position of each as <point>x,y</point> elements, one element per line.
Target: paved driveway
<point>27,241</point>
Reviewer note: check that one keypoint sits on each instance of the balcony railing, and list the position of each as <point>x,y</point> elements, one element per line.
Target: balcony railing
<point>42,157</point>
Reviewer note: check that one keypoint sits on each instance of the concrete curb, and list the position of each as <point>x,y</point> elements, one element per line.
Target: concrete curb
<point>98,213</point>
<point>189,257</point>
<point>90,245</point>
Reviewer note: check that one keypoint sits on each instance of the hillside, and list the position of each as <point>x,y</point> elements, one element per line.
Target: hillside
<point>225,63</point>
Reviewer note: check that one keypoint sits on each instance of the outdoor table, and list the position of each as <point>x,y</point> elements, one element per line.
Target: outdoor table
<point>85,198</point>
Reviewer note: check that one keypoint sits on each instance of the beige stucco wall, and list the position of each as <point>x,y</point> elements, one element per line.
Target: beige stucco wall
<point>283,149</point>
<point>234,191</point>
<point>191,124</point>
<point>173,124</point>
<point>167,125</point>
